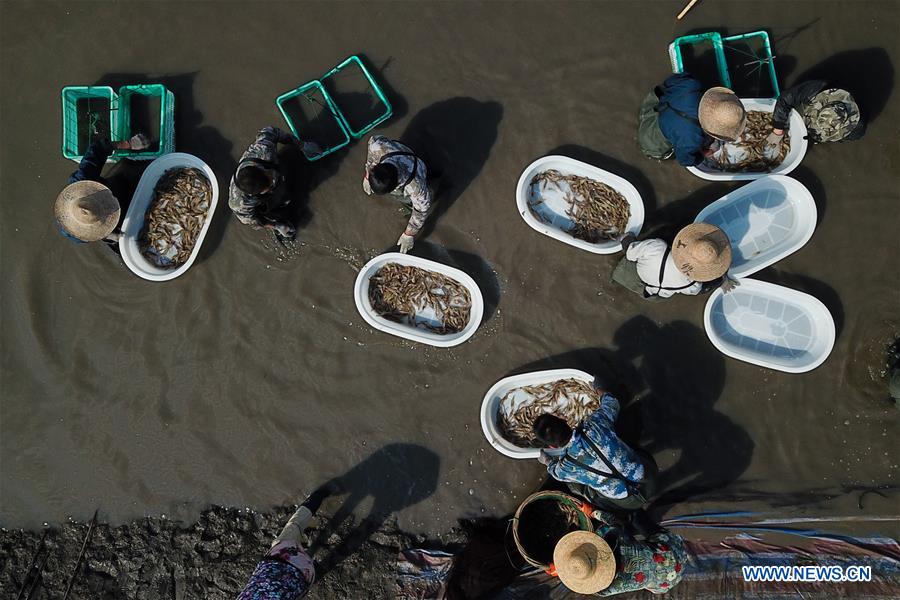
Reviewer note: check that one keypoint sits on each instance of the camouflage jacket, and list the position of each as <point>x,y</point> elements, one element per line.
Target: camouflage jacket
<point>251,209</point>
<point>413,177</point>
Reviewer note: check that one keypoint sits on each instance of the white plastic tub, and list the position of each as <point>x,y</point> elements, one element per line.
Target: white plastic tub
<point>554,206</point>
<point>765,220</point>
<point>410,332</point>
<point>140,202</point>
<point>796,131</point>
<point>490,406</point>
<point>771,326</point>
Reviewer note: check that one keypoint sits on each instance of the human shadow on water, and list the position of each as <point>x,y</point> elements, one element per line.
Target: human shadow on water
<point>634,175</point>
<point>395,477</point>
<point>868,74</point>
<point>667,379</point>
<point>818,289</point>
<point>193,137</point>
<point>454,137</point>
<point>476,267</point>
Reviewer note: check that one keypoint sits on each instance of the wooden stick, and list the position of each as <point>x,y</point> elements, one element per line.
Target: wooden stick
<point>685,10</point>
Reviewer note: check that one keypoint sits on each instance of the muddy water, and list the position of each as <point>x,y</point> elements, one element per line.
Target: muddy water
<point>252,378</point>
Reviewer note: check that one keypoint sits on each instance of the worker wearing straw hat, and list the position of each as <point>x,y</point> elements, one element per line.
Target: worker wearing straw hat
<point>697,261</point>
<point>676,120</point>
<point>587,563</point>
<point>86,210</point>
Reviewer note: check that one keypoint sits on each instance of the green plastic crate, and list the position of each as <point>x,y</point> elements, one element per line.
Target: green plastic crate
<point>166,119</point>
<point>688,40</point>
<point>70,96</point>
<point>388,109</point>
<point>303,91</point>
<point>720,44</point>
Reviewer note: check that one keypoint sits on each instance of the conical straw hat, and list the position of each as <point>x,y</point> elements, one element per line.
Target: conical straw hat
<point>584,562</point>
<point>721,114</point>
<point>702,252</point>
<point>87,210</point>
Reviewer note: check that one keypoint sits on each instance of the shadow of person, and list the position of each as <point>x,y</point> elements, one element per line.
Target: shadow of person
<point>667,220</point>
<point>818,289</point>
<point>476,267</point>
<point>454,137</point>
<point>395,477</point>
<point>193,137</point>
<point>634,175</point>
<point>868,74</point>
<point>683,376</point>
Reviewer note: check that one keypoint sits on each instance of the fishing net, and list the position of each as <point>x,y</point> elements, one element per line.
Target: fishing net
<point>175,218</point>
<point>421,298</point>
<point>569,399</point>
<point>750,153</point>
<point>598,212</point>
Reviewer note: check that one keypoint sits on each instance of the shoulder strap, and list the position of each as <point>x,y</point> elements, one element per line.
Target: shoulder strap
<point>415,167</point>
<point>662,274</point>
<point>667,106</point>
<point>613,471</point>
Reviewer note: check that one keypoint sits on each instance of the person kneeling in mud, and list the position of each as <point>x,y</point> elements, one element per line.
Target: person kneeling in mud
<point>614,561</point>
<point>595,463</point>
<point>697,261</point>
<point>676,120</point>
<point>830,114</point>
<point>87,210</point>
<point>257,193</point>
<point>393,168</point>
<point>287,572</point>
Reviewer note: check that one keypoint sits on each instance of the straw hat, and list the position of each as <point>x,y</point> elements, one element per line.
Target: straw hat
<point>721,114</point>
<point>584,562</point>
<point>702,252</point>
<point>87,210</point>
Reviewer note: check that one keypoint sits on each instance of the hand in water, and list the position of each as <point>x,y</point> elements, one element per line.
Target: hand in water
<point>311,149</point>
<point>139,142</point>
<point>728,284</point>
<point>406,243</point>
<point>285,230</point>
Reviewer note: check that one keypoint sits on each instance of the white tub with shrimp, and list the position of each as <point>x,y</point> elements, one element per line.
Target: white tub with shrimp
<point>553,206</point>
<point>766,220</point>
<point>771,326</point>
<point>140,203</point>
<point>796,130</point>
<point>490,406</point>
<point>409,331</point>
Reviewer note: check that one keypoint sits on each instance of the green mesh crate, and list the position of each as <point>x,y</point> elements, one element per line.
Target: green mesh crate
<point>311,130</point>
<point>83,108</point>
<point>386,111</point>
<point>134,101</point>
<point>712,38</point>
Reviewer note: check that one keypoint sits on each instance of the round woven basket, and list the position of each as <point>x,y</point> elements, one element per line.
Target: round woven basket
<point>584,522</point>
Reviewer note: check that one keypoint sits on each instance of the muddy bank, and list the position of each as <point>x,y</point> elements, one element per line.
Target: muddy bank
<point>156,558</point>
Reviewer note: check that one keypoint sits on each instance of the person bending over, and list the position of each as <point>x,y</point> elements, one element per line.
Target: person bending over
<point>830,114</point>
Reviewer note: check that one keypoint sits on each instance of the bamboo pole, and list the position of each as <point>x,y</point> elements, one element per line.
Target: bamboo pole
<point>685,10</point>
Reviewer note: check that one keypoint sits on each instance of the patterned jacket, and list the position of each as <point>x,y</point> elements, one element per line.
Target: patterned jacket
<point>412,175</point>
<point>249,209</point>
<point>285,573</point>
<point>600,428</point>
<point>656,564</point>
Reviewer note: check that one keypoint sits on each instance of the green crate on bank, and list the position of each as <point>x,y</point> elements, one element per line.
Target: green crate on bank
<point>166,132</point>
<point>79,127</point>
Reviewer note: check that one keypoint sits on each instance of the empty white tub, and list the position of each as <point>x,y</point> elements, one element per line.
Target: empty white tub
<point>408,331</point>
<point>765,220</point>
<point>796,131</point>
<point>554,206</point>
<point>490,406</point>
<point>140,202</point>
<point>770,325</point>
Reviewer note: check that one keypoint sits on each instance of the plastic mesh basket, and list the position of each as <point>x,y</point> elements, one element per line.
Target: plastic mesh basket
<point>760,61</point>
<point>166,119</point>
<point>677,59</point>
<point>305,97</point>
<point>81,107</point>
<point>354,61</point>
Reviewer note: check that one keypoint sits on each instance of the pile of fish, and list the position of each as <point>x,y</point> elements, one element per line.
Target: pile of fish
<point>175,218</point>
<point>401,293</point>
<point>569,399</point>
<point>598,212</point>
<point>749,153</point>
